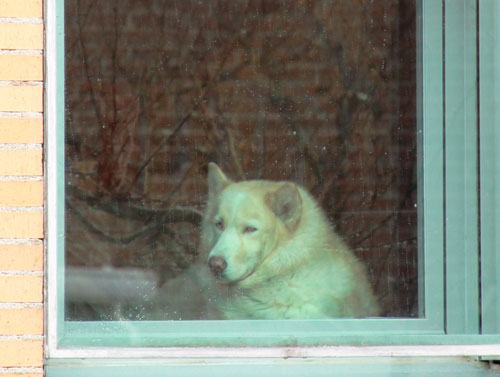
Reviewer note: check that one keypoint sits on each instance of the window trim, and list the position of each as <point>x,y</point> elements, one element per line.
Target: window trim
<point>461,191</point>
<point>432,111</point>
<point>54,60</point>
<point>489,139</point>
<point>416,367</point>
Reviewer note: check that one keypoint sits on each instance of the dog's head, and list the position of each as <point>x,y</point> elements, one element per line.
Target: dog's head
<point>246,222</point>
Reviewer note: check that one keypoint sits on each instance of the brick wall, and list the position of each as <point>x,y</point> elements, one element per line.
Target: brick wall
<point>21,188</point>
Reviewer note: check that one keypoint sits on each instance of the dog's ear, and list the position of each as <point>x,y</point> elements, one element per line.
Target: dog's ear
<point>286,204</point>
<point>217,180</point>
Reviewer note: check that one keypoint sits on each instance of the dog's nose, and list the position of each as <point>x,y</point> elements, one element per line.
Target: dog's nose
<point>217,265</point>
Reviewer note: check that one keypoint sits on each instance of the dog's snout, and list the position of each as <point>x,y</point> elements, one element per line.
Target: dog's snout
<point>217,265</point>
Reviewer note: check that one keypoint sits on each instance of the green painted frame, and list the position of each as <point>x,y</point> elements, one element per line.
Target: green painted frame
<point>489,139</point>
<point>304,332</point>
<point>461,150</point>
<point>450,109</point>
<point>372,367</point>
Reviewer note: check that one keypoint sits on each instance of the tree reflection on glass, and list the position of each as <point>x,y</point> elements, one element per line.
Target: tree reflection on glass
<point>321,93</point>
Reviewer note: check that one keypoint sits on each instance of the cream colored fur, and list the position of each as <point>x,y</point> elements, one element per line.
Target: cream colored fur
<point>283,258</point>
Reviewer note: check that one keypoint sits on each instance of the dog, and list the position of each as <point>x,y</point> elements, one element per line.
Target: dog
<point>274,255</point>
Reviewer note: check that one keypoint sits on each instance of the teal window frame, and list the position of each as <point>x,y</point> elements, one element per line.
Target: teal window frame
<point>489,138</point>
<point>459,222</point>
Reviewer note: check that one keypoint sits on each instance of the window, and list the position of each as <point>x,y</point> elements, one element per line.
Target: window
<point>374,108</point>
<point>146,110</point>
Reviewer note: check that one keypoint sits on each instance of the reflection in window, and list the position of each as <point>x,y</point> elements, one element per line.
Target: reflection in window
<point>319,93</point>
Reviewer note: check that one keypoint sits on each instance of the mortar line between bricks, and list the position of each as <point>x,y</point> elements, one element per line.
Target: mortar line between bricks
<point>20,20</point>
<point>29,146</point>
<point>21,83</point>
<point>23,209</point>
<point>21,146</point>
<point>20,273</point>
<point>21,241</point>
<point>21,177</point>
<point>20,370</point>
<point>21,305</point>
<point>21,337</point>
<point>21,52</point>
<point>20,114</point>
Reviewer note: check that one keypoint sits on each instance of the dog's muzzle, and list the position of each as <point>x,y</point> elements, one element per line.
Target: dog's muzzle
<point>217,265</point>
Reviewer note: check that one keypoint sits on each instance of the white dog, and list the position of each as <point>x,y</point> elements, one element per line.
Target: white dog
<point>275,256</point>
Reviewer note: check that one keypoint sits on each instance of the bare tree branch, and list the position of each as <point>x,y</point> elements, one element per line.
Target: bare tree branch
<point>126,210</point>
<point>142,233</point>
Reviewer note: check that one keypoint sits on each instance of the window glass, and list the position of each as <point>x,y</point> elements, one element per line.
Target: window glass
<point>321,94</point>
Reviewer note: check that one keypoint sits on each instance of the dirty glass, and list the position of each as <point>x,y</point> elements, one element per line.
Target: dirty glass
<point>321,94</point>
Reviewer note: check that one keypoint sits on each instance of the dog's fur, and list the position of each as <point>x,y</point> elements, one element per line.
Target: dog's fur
<point>275,255</point>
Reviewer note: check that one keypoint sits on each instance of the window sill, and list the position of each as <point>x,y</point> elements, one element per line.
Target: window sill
<point>379,366</point>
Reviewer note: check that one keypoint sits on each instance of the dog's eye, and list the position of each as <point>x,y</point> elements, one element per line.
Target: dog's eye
<point>249,229</point>
<point>220,225</point>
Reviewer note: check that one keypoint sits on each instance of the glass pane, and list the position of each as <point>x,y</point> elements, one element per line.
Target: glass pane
<point>320,94</point>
